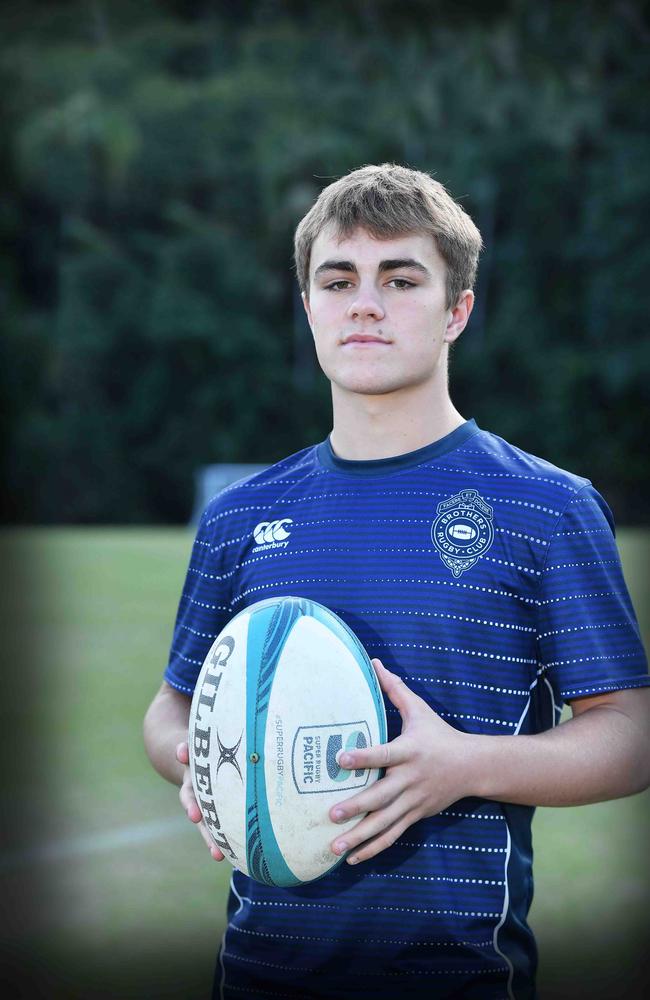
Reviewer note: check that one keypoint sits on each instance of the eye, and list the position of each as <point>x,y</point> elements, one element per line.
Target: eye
<point>336,286</point>
<point>401,283</point>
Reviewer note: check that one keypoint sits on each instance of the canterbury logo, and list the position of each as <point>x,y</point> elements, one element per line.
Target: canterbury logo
<point>268,532</point>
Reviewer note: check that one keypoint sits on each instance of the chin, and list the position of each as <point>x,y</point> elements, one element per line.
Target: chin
<point>371,386</point>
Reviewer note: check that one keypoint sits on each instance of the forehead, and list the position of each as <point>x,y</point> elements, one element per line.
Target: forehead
<point>362,248</point>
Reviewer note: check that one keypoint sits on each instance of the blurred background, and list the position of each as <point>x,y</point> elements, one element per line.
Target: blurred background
<point>156,158</point>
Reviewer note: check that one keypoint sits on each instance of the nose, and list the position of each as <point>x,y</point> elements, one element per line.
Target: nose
<point>366,304</point>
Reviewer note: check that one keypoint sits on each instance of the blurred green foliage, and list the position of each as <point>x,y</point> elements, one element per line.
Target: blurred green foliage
<point>157,157</point>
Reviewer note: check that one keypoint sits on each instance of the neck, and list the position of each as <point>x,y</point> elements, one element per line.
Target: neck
<point>369,427</point>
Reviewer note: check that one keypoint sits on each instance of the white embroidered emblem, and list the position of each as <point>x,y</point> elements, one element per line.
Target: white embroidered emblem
<point>462,531</point>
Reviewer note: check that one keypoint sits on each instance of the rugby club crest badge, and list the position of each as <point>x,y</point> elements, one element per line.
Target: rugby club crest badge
<point>463,530</point>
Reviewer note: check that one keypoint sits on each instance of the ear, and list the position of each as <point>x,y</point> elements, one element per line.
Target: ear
<point>459,316</point>
<point>305,302</point>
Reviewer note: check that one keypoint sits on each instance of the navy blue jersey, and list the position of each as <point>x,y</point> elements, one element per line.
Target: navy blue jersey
<point>489,580</point>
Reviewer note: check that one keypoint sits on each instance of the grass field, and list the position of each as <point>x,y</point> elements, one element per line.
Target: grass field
<point>108,891</point>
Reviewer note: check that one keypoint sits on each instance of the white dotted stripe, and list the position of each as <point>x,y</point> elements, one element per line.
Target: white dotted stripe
<point>455,847</point>
<point>520,534</point>
<point>383,909</point>
<point>587,562</point>
<point>364,940</point>
<point>237,510</point>
<point>204,604</point>
<point>506,562</point>
<point>249,991</point>
<point>335,495</point>
<point>229,513</point>
<point>508,475</point>
<point>329,521</point>
<point>475,685</point>
<point>462,815</point>
<point>368,550</point>
<point>429,972</point>
<point>446,614</point>
<point>180,687</point>
<point>575,597</point>
<point>388,520</point>
<point>491,454</point>
<point>466,652</point>
<point>251,483</point>
<point>374,550</point>
<point>476,718</point>
<point>592,659</point>
<point>222,545</point>
<point>495,500</point>
<point>267,965</point>
<point>437,878</point>
<point>524,503</point>
<point>623,685</point>
<point>202,635</point>
<point>366,973</point>
<point>379,493</point>
<point>398,580</point>
<point>213,576</point>
<point>585,532</point>
<point>582,628</point>
<point>312,522</point>
<point>187,659</point>
<point>366,520</point>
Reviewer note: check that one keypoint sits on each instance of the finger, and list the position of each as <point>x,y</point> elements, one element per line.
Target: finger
<point>217,855</point>
<point>189,803</point>
<point>393,686</point>
<point>194,814</point>
<point>380,756</point>
<point>387,838</point>
<point>374,826</point>
<point>183,753</point>
<point>380,795</point>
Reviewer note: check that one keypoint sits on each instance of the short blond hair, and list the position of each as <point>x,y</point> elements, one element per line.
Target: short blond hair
<point>389,200</point>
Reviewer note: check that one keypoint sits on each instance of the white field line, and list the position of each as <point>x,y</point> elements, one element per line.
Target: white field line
<point>93,843</point>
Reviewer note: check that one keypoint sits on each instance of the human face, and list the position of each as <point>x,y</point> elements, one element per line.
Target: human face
<point>377,310</point>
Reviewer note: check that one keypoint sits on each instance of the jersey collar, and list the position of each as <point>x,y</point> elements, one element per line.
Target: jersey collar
<point>382,466</point>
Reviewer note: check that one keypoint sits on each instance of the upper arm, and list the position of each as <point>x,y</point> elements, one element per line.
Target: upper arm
<point>632,702</point>
<point>631,710</point>
<point>169,708</point>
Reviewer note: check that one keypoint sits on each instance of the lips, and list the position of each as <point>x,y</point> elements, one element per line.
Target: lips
<point>364,338</point>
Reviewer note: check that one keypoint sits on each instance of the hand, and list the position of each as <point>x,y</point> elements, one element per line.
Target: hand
<point>426,770</point>
<point>189,803</point>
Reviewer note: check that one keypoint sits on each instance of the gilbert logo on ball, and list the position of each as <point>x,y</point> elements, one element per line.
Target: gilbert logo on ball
<point>285,687</point>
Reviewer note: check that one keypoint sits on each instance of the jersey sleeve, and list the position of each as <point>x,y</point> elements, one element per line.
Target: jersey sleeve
<point>588,636</point>
<point>204,607</point>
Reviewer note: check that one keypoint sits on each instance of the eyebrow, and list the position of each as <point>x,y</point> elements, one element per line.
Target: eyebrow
<point>395,264</point>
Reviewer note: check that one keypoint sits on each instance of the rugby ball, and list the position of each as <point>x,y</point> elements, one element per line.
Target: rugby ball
<point>284,687</point>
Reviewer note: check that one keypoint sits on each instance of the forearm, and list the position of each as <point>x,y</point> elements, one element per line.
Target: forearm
<point>165,726</point>
<point>600,754</point>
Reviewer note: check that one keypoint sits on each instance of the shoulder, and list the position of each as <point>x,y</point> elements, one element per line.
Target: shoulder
<point>501,456</point>
<point>263,487</point>
<point>519,478</point>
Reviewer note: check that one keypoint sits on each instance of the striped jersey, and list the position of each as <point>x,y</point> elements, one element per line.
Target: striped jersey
<point>489,580</point>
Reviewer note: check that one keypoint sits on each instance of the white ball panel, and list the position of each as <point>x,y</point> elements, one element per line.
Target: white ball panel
<point>319,696</point>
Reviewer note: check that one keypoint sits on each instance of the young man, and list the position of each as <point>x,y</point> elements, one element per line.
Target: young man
<point>486,584</point>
